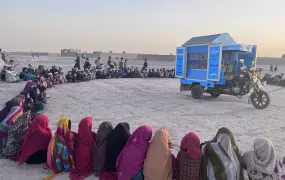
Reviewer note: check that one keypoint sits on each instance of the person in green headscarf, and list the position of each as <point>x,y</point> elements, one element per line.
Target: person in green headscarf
<point>222,159</point>
<point>38,107</point>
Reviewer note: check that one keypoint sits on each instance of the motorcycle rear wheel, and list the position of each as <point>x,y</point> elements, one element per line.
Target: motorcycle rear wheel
<point>260,100</point>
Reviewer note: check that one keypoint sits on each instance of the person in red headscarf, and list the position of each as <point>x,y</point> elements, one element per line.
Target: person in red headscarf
<point>83,157</point>
<point>189,158</point>
<point>36,141</point>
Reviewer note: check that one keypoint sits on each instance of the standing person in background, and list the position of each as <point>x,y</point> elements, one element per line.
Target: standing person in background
<point>125,64</point>
<point>121,64</point>
<point>275,68</point>
<point>98,62</point>
<point>164,72</point>
<point>109,61</point>
<point>145,65</point>
<point>271,68</point>
<point>87,64</point>
<point>2,55</point>
<point>77,62</point>
<point>83,56</point>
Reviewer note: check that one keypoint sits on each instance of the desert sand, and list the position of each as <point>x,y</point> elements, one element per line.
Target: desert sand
<point>154,102</point>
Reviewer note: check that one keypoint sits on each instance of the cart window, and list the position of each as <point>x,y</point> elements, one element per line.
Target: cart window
<point>197,60</point>
<point>226,56</point>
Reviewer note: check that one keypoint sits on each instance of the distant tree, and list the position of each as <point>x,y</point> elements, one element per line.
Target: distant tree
<point>111,51</point>
<point>124,52</point>
<point>283,57</point>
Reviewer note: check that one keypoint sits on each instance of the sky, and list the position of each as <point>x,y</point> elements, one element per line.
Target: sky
<point>138,26</point>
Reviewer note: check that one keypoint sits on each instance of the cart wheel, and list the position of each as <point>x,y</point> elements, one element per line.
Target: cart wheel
<point>197,92</point>
<point>260,100</point>
<point>215,94</point>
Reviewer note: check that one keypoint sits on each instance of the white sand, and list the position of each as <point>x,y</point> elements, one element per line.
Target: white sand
<point>154,102</point>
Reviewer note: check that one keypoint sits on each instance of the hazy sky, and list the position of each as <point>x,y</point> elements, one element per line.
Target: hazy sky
<point>146,26</point>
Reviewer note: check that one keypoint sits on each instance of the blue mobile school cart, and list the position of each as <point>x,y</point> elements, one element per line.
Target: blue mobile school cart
<point>211,63</point>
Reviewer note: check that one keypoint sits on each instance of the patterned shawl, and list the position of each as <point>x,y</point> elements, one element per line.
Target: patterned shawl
<point>188,169</point>
<point>6,124</point>
<point>8,106</point>
<point>16,135</point>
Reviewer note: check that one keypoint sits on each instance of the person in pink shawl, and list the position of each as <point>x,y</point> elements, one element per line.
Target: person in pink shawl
<point>130,161</point>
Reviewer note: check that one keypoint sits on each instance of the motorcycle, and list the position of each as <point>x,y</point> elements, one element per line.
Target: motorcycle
<point>249,80</point>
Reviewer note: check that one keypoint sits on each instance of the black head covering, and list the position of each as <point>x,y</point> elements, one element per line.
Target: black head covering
<point>100,146</point>
<point>116,142</point>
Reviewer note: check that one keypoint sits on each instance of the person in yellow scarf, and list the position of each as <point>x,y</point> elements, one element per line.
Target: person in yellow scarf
<point>60,157</point>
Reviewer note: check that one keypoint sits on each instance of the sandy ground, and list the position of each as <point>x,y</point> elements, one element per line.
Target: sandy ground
<point>154,102</point>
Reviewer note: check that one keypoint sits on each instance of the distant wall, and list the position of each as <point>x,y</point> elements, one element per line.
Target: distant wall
<point>129,56</point>
<point>155,57</point>
<point>73,54</point>
<point>28,53</point>
<point>69,52</point>
<point>133,56</point>
<point>269,61</point>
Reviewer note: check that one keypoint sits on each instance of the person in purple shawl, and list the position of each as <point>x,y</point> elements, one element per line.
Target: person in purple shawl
<point>130,161</point>
<point>6,110</point>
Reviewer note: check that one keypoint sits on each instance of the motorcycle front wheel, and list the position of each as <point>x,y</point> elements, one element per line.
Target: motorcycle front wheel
<point>260,100</point>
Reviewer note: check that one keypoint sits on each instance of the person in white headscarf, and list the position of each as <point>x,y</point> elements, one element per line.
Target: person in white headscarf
<point>12,76</point>
<point>221,157</point>
<point>261,163</point>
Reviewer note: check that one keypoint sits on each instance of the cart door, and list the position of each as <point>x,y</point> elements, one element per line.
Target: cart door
<point>214,63</point>
<point>180,61</point>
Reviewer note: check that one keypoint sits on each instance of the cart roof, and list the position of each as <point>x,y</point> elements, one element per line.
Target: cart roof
<point>223,38</point>
<point>238,47</point>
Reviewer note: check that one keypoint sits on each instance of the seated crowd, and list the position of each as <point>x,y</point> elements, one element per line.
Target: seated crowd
<point>56,76</point>
<point>51,76</point>
<point>117,154</point>
<point>112,71</point>
<point>277,80</point>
